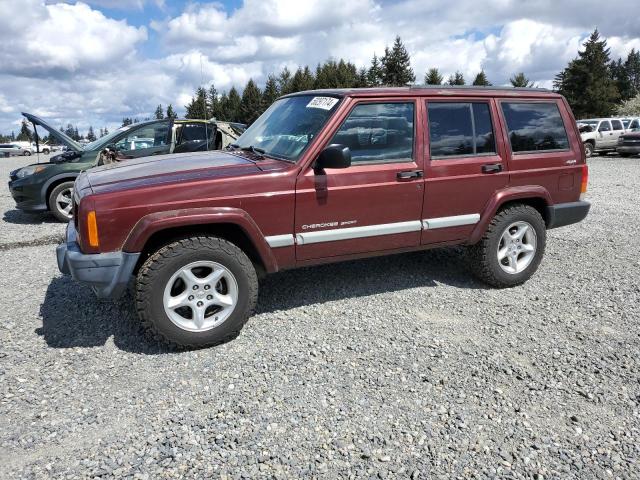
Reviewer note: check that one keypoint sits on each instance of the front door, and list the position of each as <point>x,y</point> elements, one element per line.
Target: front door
<point>376,203</point>
<point>605,135</point>
<point>145,140</point>
<point>465,166</point>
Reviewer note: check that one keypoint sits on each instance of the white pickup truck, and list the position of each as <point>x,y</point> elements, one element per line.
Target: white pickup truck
<point>600,134</point>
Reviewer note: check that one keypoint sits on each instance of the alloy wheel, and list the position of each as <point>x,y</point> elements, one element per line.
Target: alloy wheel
<point>517,247</point>
<point>200,296</point>
<point>64,202</point>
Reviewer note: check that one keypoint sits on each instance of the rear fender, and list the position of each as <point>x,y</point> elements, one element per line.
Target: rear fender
<point>501,197</point>
<point>156,222</point>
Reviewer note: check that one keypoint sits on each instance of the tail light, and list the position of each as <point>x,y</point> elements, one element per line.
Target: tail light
<point>585,180</point>
<point>92,229</point>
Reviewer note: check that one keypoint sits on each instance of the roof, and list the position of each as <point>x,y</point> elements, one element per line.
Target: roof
<point>431,90</point>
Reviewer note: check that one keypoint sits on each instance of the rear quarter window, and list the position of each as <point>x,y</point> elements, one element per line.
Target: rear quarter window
<point>534,127</point>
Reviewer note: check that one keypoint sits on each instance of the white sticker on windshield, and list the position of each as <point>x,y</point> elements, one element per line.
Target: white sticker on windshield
<point>325,103</point>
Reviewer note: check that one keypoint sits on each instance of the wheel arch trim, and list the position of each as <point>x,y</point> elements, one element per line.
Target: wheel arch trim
<point>59,178</point>
<point>501,197</point>
<point>156,222</point>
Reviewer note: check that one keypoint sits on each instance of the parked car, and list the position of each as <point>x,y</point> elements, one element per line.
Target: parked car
<point>603,136</point>
<point>8,149</point>
<point>48,186</point>
<point>631,124</point>
<point>629,142</point>
<point>325,176</point>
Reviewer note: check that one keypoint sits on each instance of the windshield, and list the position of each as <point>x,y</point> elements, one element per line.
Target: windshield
<point>593,123</point>
<point>96,144</point>
<point>288,126</point>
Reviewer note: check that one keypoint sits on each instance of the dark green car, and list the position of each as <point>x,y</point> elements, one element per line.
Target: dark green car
<point>49,186</point>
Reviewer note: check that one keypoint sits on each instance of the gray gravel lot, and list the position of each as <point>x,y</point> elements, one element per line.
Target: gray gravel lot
<point>396,367</point>
<point>18,227</point>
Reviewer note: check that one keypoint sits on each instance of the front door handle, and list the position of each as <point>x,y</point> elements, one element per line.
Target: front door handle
<point>410,174</point>
<point>492,168</point>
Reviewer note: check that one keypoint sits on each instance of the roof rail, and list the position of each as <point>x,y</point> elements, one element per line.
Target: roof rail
<point>489,87</point>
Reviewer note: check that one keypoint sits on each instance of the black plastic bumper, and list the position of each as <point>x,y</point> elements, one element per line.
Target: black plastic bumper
<point>567,213</point>
<point>107,273</point>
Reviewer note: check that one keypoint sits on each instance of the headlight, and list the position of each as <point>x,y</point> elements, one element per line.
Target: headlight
<point>30,170</point>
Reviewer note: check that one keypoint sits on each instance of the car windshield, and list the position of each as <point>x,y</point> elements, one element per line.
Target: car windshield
<point>288,126</point>
<point>593,123</point>
<point>96,144</point>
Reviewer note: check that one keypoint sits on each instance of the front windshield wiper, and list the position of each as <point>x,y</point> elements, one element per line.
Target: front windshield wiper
<point>259,152</point>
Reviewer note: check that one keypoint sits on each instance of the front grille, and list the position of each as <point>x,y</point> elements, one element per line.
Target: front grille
<point>630,142</point>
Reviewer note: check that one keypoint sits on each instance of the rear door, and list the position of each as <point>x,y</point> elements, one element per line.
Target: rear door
<point>542,151</point>
<point>618,129</point>
<point>375,204</point>
<point>465,165</point>
<point>605,135</point>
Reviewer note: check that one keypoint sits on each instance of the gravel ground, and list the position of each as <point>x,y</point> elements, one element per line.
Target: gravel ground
<point>396,367</point>
<point>20,228</point>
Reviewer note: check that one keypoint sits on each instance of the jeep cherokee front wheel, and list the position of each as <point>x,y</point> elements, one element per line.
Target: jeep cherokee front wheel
<point>196,292</point>
<point>512,247</point>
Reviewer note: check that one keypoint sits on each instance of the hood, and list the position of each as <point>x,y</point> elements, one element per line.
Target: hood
<point>57,134</point>
<point>632,134</point>
<point>158,169</point>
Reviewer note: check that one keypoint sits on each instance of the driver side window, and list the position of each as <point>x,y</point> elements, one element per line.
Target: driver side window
<point>604,127</point>
<point>148,136</point>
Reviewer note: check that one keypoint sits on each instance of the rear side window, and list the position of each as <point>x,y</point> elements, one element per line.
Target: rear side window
<point>535,126</point>
<point>378,133</point>
<point>617,125</point>
<point>458,129</point>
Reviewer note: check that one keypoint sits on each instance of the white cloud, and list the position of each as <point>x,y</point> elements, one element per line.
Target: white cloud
<point>71,63</point>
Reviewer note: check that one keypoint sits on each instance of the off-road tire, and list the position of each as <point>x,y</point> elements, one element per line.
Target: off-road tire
<point>53,205</point>
<point>588,149</point>
<point>158,269</point>
<point>483,255</point>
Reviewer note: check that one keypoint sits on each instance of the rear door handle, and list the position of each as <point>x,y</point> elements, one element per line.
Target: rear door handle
<point>410,174</point>
<point>492,168</point>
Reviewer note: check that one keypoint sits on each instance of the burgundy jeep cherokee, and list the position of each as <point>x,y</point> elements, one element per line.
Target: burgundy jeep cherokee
<point>324,176</point>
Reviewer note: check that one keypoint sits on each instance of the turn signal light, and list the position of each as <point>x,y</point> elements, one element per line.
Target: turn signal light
<point>92,229</point>
<point>585,180</point>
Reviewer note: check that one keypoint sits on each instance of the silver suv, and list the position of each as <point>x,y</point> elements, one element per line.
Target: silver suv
<point>7,149</point>
<point>602,136</point>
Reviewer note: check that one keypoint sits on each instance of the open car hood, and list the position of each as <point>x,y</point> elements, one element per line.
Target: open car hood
<point>57,134</point>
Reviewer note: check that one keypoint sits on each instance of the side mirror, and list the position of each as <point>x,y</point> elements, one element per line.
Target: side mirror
<point>333,156</point>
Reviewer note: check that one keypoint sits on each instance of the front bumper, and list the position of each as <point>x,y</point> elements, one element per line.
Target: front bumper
<point>628,149</point>
<point>106,273</point>
<point>563,214</point>
<point>28,196</point>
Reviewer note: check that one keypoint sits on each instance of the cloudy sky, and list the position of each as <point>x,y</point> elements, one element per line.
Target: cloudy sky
<point>96,61</point>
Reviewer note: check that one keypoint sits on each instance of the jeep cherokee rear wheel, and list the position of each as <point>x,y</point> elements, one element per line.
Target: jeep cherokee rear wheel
<point>196,292</point>
<point>511,248</point>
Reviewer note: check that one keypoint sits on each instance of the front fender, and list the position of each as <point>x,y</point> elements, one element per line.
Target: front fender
<point>528,192</point>
<point>155,222</point>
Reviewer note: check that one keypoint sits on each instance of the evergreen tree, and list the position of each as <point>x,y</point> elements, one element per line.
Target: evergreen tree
<point>91,136</point>
<point>433,77</point>
<point>620,77</point>
<point>101,132</point>
<point>374,74</point>
<point>396,66</point>
<point>481,80</point>
<point>69,131</point>
<point>270,93</point>
<point>170,112</point>
<point>362,80</point>
<point>284,81</point>
<point>587,83</point>
<point>159,114</point>
<point>234,103</point>
<point>197,107</point>
<point>632,65</point>
<point>213,104</point>
<point>76,134</point>
<point>520,80</point>
<point>251,103</point>
<point>127,121</point>
<point>25,134</point>
<point>302,80</point>
<point>106,132</point>
<point>456,79</point>
<point>13,136</point>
